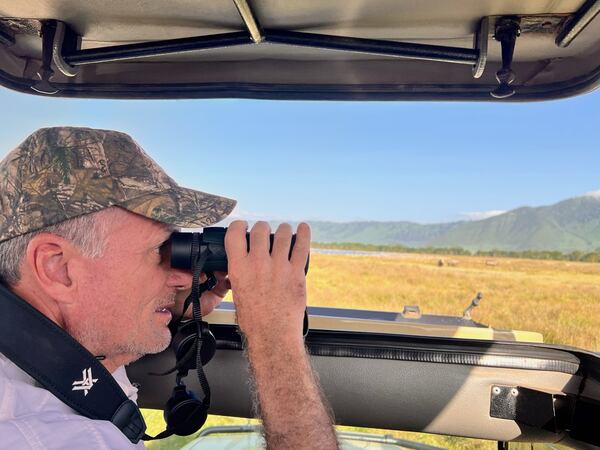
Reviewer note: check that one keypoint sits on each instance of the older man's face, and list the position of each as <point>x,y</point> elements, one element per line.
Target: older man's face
<point>127,292</point>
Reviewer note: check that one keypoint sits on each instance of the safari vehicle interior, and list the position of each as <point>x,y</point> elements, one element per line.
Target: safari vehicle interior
<point>435,374</point>
<point>356,49</point>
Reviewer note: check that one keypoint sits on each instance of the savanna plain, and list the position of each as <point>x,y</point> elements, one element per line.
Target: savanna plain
<point>559,299</point>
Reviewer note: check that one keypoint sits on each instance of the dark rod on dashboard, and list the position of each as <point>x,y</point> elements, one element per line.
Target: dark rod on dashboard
<point>6,38</point>
<point>250,20</point>
<point>374,46</point>
<point>577,22</point>
<point>155,48</point>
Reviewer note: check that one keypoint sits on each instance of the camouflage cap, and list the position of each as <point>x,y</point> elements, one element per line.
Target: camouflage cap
<point>64,172</point>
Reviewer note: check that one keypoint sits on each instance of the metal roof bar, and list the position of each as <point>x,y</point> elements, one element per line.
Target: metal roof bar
<point>577,22</point>
<point>372,46</point>
<point>480,43</point>
<point>250,20</point>
<point>155,48</point>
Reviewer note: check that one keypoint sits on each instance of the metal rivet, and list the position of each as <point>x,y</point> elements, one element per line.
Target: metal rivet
<point>514,392</point>
<point>496,390</point>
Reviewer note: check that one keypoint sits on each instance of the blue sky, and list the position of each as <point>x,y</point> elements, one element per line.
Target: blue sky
<point>424,162</point>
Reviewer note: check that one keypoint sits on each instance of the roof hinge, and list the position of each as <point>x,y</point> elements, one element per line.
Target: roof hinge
<point>506,31</point>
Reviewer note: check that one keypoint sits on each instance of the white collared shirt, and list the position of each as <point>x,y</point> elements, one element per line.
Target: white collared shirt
<point>32,418</point>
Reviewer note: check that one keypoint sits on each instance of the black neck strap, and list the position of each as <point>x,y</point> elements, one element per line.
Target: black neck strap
<point>64,367</point>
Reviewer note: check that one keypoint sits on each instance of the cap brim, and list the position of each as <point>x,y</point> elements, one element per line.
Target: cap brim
<point>182,207</point>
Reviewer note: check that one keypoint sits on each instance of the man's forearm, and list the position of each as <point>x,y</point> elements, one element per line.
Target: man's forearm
<point>269,291</point>
<point>294,413</point>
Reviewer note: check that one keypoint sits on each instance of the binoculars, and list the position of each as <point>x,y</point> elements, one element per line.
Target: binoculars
<point>213,239</point>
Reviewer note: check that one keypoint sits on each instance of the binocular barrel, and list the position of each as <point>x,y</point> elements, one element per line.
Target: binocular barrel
<point>214,239</point>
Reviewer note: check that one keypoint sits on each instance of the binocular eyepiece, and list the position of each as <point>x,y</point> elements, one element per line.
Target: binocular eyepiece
<point>213,239</point>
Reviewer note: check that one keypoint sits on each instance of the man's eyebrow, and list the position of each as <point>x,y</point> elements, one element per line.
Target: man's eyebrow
<point>171,228</point>
<point>163,241</point>
<point>163,238</point>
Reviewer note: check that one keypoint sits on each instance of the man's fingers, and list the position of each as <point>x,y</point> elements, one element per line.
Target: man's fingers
<point>223,284</point>
<point>260,238</point>
<point>209,301</point>
<point>221,276</point>
<point>282,242</point>
<point>301,247</point>
<point>236,246</point>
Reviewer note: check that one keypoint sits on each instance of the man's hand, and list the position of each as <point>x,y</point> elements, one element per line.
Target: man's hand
<point>209,299</point>
<point>269,292</point>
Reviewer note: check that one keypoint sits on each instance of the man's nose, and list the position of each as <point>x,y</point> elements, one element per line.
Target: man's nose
<point>179,279</point>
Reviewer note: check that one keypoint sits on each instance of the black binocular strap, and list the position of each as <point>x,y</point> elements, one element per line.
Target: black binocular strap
<point>64,367</point>
<point>199,259</point>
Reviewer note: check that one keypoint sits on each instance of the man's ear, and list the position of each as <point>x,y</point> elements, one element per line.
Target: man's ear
<point>47,259</point>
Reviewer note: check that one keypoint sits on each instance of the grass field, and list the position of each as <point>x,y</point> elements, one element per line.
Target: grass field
<point>559,299</point>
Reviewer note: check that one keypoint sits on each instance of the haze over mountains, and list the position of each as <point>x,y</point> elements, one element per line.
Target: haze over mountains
<point>569,225</point>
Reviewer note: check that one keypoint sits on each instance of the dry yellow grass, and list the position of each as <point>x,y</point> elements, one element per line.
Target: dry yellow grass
<point>559,299</point>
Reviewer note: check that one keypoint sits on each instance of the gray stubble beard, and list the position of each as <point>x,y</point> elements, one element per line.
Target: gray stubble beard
<point>95,342</point>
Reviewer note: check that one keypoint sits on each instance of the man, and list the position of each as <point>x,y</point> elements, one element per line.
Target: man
<point>83,217</point>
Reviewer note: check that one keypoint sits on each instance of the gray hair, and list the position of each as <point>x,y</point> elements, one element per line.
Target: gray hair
<point>87,232</point>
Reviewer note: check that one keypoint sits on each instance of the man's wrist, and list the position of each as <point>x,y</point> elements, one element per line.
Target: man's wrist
<point>285,384</point>
<point>271,345</point>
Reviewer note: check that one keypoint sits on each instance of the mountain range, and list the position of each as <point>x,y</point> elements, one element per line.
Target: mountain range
<point>572,224</point>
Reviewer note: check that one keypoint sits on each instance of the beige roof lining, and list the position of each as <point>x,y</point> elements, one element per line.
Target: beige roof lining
<point>538,60</point>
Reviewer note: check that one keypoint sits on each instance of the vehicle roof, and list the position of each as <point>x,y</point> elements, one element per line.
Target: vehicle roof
<point>546,64</point>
